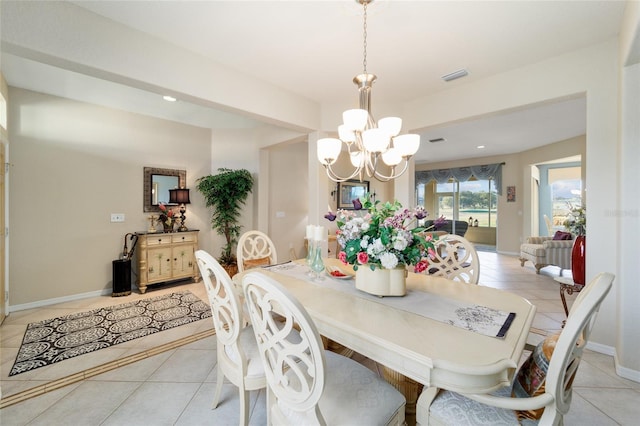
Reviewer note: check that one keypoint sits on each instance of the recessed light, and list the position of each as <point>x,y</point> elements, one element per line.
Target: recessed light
<point>480,146</point>
<point>169,98</point>
<point>455,75</point>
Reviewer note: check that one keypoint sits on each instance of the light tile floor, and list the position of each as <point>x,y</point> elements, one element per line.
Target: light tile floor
<point>175,387</point>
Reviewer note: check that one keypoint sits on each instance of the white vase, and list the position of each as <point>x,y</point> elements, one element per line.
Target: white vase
<point>382,282</point>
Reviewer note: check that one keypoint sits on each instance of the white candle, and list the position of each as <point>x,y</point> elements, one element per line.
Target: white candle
<point>320,232</point>
<point>310,232</point>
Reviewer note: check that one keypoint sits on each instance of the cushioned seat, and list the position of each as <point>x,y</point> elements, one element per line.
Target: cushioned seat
<point>541,392</point>
<point>545,251</point>
<point>306,384</point>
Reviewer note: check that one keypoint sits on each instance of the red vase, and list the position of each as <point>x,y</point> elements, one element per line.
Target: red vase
<point>578,259</point>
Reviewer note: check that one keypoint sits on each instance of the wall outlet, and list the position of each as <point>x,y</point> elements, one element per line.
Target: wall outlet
<point>117,217</point>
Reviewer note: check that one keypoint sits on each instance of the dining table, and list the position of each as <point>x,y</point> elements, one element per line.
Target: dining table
<point>438,334</point>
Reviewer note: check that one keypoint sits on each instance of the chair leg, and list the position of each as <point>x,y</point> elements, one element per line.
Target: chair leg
<point>244,407</point>
<point>522,261</point>
<point>219,383</point>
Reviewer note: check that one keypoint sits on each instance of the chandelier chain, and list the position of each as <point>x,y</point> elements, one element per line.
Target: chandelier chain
<point>364,26</point>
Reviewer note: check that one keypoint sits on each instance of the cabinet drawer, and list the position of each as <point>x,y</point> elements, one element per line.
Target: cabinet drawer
<point>159,240</point>
<point>183,238</point>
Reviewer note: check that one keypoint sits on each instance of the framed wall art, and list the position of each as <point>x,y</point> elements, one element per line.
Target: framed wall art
<point>511,194</point>
<point>349,191</point>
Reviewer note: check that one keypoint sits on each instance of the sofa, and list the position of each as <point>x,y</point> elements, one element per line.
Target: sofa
<point>461,227</point>
<point>545,251</point>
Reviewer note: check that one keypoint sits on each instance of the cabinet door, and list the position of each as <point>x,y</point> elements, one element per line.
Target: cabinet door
<point>183,260</point>
<point>159,264</point>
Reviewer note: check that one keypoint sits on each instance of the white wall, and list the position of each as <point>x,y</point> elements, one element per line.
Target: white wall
<point>73,164</point>
<point>628,314</point>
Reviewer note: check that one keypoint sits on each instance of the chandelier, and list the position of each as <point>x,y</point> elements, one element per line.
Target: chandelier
<point>368,141</point>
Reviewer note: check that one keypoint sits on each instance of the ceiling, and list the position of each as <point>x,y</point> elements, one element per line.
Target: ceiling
<point>314,48</point>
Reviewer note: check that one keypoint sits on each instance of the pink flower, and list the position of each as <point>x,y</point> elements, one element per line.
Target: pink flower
<point>343,257</point>
<point>363,258</point>
<point>421,266</point>
<point>432,253</point>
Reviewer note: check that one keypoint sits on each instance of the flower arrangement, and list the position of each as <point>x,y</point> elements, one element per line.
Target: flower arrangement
<point>383,237</point>
<point>577,221</point>
<point>166,216</point>
<point>439,223</point>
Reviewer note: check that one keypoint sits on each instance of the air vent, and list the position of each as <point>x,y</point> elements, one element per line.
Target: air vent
<point>455,75</point>
<point>436,140</point>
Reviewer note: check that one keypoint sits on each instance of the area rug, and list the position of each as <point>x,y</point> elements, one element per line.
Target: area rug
<point>50,341</point>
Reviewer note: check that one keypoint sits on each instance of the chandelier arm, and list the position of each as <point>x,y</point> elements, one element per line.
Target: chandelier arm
<point>337,178</point>
<point>383,178</point>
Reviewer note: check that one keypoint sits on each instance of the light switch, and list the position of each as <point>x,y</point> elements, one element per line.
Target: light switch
<point>279,214</point>
<point>117,217</point>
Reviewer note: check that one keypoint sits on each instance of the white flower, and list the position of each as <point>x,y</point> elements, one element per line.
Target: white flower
<point>388,260</point>
<point>377,245</point>
<point>399,242</point>
<point>364,242</point>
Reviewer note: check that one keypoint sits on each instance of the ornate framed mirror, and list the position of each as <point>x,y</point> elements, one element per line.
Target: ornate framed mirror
<point>157,183</point>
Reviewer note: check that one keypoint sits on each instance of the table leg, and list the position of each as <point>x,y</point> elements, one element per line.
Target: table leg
<point>406,386</point>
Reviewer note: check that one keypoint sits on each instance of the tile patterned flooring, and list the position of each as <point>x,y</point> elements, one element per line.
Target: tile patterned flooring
<point>175,385</point>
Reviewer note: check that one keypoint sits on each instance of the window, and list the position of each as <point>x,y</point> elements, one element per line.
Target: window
<point>566,193</point>
<point>473,200</point>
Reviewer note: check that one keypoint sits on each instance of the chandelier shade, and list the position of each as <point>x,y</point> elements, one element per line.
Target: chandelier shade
<point>367,141</point>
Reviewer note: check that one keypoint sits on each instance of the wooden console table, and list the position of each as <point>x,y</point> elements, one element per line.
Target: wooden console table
<point>163,257</point>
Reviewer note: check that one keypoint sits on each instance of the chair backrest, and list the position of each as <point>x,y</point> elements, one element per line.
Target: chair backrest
<point>294,362</point>
<point>455,258</point>
<point>224,300</point>
<point>570,345</point>
<point>255,248</point>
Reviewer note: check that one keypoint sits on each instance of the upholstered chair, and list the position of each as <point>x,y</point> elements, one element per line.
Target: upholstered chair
<point>255,249</point>
<point>542,389</point>
<point>545,251</point>
<point>456,259</point>
<point>308,385</point>
<point>237,352</point>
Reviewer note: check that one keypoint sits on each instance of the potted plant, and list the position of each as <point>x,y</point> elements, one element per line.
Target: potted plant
<point>226,192</point>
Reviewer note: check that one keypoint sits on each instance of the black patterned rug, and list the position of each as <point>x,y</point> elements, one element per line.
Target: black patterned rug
<point>50,341</point>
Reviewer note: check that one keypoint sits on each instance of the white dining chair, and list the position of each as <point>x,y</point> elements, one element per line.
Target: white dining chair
<point>237,351</point>
<point>255,249</point>
<point>455,258</point>
<point>551,400</point>
<point>308,385</point>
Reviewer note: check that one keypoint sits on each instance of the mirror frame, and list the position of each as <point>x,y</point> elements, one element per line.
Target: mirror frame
<point>148,172</point>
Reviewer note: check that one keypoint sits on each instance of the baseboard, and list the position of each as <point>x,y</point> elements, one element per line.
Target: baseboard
<point>47,302</point>
<point>508,253</point>
<point>602,349</point>
<point>624,372</point>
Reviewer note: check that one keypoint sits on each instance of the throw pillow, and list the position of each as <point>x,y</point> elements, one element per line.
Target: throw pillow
<point>531,377</point>
<point>256,263</point>
<point>560,235</point>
